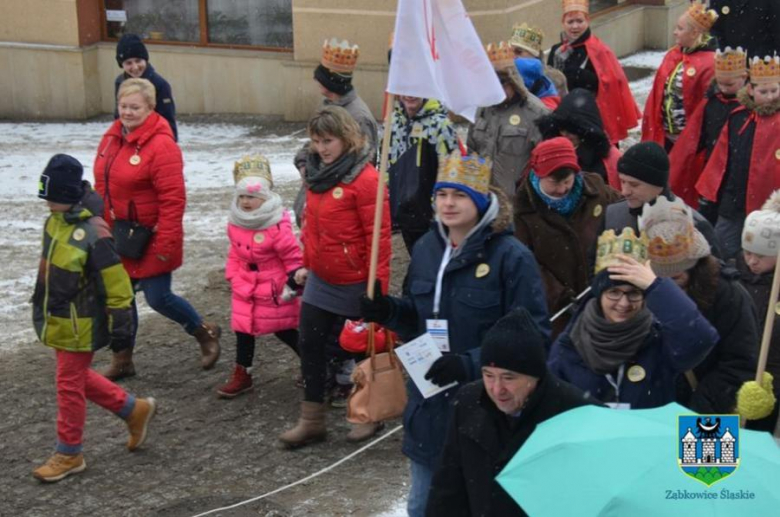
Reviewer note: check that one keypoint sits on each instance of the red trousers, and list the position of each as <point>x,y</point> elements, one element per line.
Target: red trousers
<point>77,383</point>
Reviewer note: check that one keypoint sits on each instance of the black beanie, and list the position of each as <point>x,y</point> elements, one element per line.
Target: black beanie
<point>515,343</point>
<point>130,46</point>
<point>340,84</point>
<point>61,180</point>
<point>646,161</point>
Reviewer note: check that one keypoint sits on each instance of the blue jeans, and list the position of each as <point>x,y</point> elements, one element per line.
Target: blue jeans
<point>158,294</point>
<point>418,492</point>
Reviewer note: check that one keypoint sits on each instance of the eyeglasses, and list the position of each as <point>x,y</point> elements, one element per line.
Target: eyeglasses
<point>633,296</point>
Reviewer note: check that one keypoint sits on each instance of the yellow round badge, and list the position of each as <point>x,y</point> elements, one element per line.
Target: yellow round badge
<point>514,120</point>
<point>79,234</point>
<point>777,154</point>
<point>135,159</point>
<point>482,270</point>
<point>259,238</point>
<point>338,192</point>
<point>726,9</point>
<point>691,72</point>
<point>636,373</point>
<point>777,308</point>
<point>597,210</point>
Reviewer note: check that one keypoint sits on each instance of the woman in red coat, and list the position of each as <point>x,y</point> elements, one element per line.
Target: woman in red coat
<point>338,224</point>
<point>589,63</point>
<point>683,78</point>
<point>139,172</point>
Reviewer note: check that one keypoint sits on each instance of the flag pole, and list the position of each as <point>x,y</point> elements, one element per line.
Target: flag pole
<point>380,194</point>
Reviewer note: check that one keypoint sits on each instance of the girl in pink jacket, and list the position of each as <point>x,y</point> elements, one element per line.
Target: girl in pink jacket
<point>262,264</point>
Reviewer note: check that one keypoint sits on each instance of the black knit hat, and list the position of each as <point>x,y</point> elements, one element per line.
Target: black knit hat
<point>515,343</point>
<point>340,84</point>
<point>646,161</point>
<point>61,180</point>
<point>130,46</point>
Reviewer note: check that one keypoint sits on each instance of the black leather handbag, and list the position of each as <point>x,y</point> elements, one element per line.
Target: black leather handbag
<point>130,236</point>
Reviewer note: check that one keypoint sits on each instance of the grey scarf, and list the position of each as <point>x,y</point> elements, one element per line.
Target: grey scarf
<point>603,345</point>
<point>267,215</point>
<point>321,178</point>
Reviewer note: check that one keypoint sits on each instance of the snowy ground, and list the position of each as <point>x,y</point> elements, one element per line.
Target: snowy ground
<point>210,146</point>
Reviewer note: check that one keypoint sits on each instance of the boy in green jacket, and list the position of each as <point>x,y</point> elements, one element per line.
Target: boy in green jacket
<point>82,302</point>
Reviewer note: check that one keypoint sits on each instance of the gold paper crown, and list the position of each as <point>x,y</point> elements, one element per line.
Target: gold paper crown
<point>472,171</point>
<point>582,6</point>
<point>527,38</point>
<point>702,17</point>
<point>730,62</point>
<point>501,55</point>
<point>611,245</point>
<point>339,57</point>
<point>669,228</point>
<point>256,165</point>
<point>765,71</point>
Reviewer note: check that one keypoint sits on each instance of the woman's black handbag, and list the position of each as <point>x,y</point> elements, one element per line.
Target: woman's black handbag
<point>130,236</point>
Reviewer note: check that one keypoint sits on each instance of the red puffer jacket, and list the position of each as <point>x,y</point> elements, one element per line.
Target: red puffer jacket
<point>155,185</point>
<point>337,231</point>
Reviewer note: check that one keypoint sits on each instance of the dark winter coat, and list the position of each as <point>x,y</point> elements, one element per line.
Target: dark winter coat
<point>564,247</point>
<point>480,442</point>
<point>579,114</point>
<point>417,145</point>
<point>733,360</point>
<point>506,134</point>
<point>155,186</point>
<point>679,339</point>
<point>578,69</point>
<point>165,105</point>
<point>759,288</point>
<point>751,24</point>
<point>470,302</point>
<point>620,215</point>
<point>82,299</point>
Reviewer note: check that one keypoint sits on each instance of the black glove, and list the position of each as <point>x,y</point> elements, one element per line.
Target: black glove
<point>448,369</point>
<point>291,283</point>
<point>378,310</point>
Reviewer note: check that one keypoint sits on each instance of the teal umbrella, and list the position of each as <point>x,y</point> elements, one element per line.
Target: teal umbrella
<point>594,461</point>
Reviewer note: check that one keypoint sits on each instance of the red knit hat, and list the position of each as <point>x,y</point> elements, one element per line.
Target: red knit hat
<point>550,155</point>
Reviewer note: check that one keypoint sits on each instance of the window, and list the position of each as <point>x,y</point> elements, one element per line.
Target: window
<point>242,23</point>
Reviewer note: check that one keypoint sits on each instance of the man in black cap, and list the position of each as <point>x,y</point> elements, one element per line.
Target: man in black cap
<point>133,58</point>
<point>644,175</point>
<point>495,416</point>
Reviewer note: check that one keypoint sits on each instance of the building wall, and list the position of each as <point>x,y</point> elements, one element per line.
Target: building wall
<point>54,69</point>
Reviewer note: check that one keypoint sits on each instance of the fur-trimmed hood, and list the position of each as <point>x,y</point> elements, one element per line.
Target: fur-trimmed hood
<point>515,80</point>
<point>746,100</point>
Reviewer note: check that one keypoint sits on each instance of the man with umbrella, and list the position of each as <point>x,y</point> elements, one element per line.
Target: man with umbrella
<point>495,416</point>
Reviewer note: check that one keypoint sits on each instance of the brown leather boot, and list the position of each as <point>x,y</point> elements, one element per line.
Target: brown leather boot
<point>310,427</point>
<point>138,422</point>
<point>121,366</point>
<point>208,337</point>
<point>361,432</point>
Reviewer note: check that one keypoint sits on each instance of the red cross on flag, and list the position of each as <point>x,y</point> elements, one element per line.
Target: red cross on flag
<point>437,54</point>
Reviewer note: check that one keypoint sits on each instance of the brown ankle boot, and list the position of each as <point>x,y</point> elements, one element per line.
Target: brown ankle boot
<point>208,337</point>
<point>361,432</point>
<point>138,422</point>
<point>310,427</point>
<point>121,365</point>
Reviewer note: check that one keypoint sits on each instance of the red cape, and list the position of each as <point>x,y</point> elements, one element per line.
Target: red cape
<point>551,101</point>
<point>764,171</point>
<point>610,164</point>
<point>698,72</point>
<point>616,103</point>
<point>686,159</point>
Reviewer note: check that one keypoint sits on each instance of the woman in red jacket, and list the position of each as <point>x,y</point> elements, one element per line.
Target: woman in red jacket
<point>139,172</point>
<point>683,78</point>
<point>338,223</point>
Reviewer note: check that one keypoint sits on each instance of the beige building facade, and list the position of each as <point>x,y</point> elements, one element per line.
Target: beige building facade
<point>58,63</point>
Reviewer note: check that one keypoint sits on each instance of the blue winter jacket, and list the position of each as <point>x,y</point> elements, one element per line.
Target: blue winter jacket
<point>471,303</point>
<point>680,338</point>
<point>165,105</point>
<point>532,72</point>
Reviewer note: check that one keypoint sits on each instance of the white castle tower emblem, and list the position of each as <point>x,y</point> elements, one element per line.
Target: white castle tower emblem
<point>711,448</point>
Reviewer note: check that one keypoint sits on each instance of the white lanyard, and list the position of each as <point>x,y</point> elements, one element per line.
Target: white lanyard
<point>616,384</point>
<point>439,278</point>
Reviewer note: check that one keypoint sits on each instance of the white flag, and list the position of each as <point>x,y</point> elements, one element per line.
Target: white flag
<point>437,54</point>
